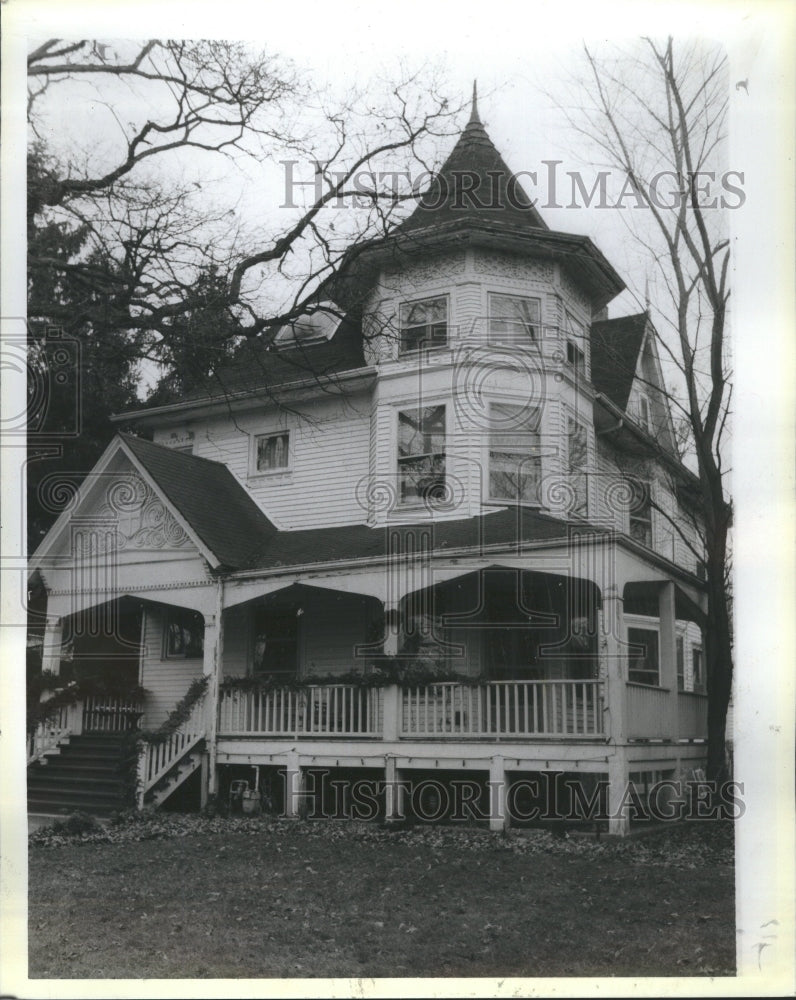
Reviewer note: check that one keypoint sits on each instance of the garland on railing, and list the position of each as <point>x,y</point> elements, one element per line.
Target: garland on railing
<point>400,670</point>
<point>178,716</point>
<point>42,711</point>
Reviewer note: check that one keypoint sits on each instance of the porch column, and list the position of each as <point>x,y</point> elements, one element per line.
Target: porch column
<point>668,654</point>
<point>211,667</point>
<point>393,792</point>
<point>612,663</point>
<point>294,785</point>
<point>618,820</point>
<point>498,817</point>
<point>51,645</point>
<point>392,713</point>
<point>392,628</point>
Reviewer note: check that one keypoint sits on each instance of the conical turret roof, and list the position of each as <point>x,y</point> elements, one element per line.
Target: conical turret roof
<point>474,184</point>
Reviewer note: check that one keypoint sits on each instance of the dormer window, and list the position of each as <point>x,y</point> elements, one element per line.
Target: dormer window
<point>424,324</point>
<point>514,320</point>
<point>421,454</point>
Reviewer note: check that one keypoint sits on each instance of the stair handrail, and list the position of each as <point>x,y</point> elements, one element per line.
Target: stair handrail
<point>163,749</point>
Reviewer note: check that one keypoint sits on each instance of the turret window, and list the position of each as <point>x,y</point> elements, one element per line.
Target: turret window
<point>424,324</point>
<point>515,463</point>
<point>421,453</point>
<point>513,320</point>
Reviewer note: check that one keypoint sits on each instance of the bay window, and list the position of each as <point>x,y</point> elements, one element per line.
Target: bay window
<point>421,453</point>
<point>515,463</point>
<point>424,324</point>
<point>514,319</point>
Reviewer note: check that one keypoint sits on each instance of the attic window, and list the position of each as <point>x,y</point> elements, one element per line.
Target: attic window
<point>424,324</point>
<point>644,413</point>
<point>272,452</point>
<point>513,320</point>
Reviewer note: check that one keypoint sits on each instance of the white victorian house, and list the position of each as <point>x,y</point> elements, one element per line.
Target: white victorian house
<point>458,467</point>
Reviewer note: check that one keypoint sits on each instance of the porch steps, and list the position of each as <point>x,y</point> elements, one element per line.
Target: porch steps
<point>88,775</point>
<point>172,780</point>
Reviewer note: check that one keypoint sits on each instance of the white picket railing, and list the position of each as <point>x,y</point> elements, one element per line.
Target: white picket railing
<point>503,708</point>
<point>156,759</point>
<point>48,734</point>
<point>500,708</point>
<point>648,712</point>
<point>105,713</point>
<point>322,710</point>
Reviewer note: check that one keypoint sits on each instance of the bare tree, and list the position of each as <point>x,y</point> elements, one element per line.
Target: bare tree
<point>657,115</point>
<point>130,192</point>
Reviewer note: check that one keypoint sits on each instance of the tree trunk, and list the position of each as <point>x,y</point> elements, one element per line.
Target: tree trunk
<point>718,652</point>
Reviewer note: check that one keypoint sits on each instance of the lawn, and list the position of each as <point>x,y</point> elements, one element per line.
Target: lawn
<point>185,897</point>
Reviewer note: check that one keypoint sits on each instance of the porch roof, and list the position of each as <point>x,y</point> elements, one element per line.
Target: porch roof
<point>359,541</point>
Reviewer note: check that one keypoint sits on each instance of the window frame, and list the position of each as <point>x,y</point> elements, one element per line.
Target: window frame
<point>698,686</point>
<point>576,343</point>
<point>430,345</point>
<point>572,417</point>
<point>398,459</point>
<point>514,341</point>
<point>634,515</point>
<point>178,616</point>
<point>294,640</point>
<point>493,497</point>
<point>281,470</point>
<point>652,629</point>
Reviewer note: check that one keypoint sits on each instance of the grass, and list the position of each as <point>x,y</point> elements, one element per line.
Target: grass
<point>186,897</point>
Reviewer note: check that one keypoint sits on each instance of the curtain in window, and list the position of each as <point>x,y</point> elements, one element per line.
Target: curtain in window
<point>272,453</point>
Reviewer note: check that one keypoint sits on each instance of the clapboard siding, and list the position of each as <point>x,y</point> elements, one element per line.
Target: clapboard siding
<point>165,681</point>
<point>332,626</point>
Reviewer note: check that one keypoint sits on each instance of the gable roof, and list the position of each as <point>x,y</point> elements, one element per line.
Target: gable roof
<point>210,499</point>
<point>615,347</point>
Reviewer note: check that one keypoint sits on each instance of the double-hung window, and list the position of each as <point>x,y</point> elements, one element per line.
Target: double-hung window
<point>272,453</point>
<point>424,324</point>
<point>641,513</point>
<point>515,463</point>
<point>514,319</point>
<point>421,453</point>
<point>578,460</point>
<point>643,661</point>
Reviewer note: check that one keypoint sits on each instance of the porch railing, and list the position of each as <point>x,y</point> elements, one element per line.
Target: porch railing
<point>156,759</point>
<point>325,710</point>
<point>692,715</point>
<point>569,709</point>
<point>103,713</point>
<point>48,734</point>
<point>648,712</point>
